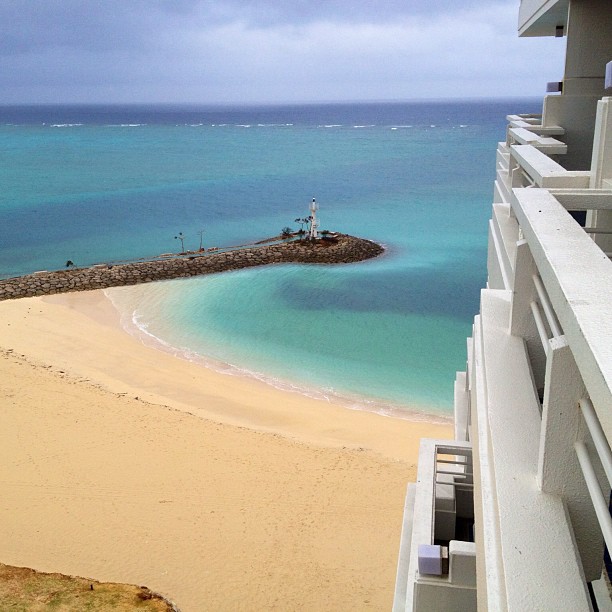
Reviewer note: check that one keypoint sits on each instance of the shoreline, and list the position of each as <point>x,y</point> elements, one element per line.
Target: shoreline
<point>166,379</point>
<point>125,464</point>
<point>387,408</point>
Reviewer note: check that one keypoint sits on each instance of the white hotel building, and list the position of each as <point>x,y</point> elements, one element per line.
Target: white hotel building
<point>513,514</point>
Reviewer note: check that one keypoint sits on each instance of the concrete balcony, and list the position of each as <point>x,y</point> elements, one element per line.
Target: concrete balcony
<point>548,144</point>
<point>533,123</point>
<point>534,404</point>
<point>537,169</point>
<point>538,373</point>
<point>530,159</point>
<point>437,563</point>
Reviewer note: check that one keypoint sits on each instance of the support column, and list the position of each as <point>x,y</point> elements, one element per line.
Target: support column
<point>601,172</point>
<point>589,48</point>
<point>559,471</point>
<point>521,318</point>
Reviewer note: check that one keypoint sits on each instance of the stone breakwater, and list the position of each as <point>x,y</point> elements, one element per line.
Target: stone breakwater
<point>343,249</point>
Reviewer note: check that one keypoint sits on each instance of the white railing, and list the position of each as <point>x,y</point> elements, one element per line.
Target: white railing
<point>572,286</point>
<point>544,315</point>
<point>578,283</point>
<point>463,471</point>
<point>599,499</point>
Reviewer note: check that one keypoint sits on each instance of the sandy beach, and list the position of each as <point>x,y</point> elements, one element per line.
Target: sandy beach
<point>124,463</point>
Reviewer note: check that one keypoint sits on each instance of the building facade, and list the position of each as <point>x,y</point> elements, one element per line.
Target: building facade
<point>513,514</point>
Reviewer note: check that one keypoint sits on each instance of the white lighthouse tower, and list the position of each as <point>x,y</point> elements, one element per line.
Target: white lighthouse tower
<point>314,222</point>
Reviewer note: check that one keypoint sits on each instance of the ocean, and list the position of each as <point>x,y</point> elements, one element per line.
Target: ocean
<point>97,184</point>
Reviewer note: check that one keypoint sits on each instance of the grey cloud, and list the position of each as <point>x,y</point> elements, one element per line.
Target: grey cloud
<point>264,50</point>
<point>106,24</point>
<point>36,25</point>
<point>296,12</point>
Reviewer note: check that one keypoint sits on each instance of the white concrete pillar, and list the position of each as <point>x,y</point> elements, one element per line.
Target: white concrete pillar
<point>601,172</point>
<point>589,48</point>
<point>559,471</point>
<point>521,317</point>
<point>601,161</point>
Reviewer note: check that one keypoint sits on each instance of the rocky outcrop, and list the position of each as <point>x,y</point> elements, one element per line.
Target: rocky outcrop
<point>341,249</point>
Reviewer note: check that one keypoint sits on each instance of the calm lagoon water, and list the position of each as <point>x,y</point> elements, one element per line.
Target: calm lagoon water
<point>99,184</point>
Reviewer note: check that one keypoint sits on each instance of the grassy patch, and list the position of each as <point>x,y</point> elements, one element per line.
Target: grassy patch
<point>25,590</point>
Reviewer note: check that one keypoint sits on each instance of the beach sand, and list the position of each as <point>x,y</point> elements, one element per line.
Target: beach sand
<point>124,463</point>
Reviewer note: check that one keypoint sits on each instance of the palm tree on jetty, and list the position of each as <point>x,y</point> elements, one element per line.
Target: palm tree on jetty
<point>302,222</point>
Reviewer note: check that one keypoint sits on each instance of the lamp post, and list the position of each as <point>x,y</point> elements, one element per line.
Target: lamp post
<point>182,239</point>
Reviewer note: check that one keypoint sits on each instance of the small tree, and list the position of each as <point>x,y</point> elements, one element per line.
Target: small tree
<point>182,239</point>
<point>286,232</point>
<point>302,222</point>
<point>69,263</point>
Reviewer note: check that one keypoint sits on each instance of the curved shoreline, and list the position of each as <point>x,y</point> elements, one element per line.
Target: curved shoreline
<point>386,408</point>
<point>340,249</point>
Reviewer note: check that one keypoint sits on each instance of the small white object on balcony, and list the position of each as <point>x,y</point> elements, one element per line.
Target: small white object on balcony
<point>430,559</point>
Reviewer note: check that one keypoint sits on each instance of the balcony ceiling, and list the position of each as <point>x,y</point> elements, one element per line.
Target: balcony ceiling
<point>541,17</point>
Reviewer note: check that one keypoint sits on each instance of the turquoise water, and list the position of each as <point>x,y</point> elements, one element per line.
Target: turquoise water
<point>103,184</point>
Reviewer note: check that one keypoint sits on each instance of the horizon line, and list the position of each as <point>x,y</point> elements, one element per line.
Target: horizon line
<point>277,103</point>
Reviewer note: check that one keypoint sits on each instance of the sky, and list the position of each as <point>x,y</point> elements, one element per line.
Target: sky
<point>268,51</point>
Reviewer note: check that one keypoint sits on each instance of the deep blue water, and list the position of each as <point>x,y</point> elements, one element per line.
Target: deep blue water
<point>96,184</point>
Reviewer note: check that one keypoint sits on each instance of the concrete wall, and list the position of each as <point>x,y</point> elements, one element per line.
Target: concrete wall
<point>589,48</point>
<point>346,249</point>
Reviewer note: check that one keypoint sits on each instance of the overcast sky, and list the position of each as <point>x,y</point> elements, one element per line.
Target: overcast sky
<point>242,51</point>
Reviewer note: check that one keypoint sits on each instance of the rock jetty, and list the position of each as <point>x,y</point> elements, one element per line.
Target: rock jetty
<point>339,249</point>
